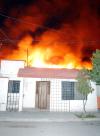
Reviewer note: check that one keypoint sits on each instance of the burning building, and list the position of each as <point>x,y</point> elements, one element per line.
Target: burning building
<point>54,34</point>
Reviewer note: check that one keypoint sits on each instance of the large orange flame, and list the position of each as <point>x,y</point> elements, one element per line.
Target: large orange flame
<point>46,31</point>
<point>47,54</point>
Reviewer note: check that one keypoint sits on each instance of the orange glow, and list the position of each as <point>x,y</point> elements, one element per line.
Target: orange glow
<point>54,34</point>
<point>48,54</point>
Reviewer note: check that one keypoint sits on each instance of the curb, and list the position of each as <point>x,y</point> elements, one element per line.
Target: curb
<point>37,120</point>
<point>45,120</point>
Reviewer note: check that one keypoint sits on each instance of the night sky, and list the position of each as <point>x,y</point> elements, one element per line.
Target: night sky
<point>74,24</point>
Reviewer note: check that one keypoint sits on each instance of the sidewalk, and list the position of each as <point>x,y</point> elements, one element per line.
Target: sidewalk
<point>29,116</point>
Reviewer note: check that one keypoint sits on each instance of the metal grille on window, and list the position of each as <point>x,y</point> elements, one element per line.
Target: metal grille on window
<point>13,95</point>
<point>67,90</point>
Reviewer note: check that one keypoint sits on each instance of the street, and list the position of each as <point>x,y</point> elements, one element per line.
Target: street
<point>76,128</point>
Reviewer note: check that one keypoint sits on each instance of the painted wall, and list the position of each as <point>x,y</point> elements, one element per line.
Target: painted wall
<point>10,68</point>
<point>98,96</point>
<point>56,103</point>
<point>29,91</point>
<point>3,93</point>
<point>8,71</point>
<point>20,91</point>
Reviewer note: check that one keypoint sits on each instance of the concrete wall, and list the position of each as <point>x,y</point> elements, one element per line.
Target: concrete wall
<point>92,99</point>
<point>98,96</point>
<point>56,103</point>
<point>20,91</point>
<point>3,93</point>
<point>29,92</point>
<point>10,68</point>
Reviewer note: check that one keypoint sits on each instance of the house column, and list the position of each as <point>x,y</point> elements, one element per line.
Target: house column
<point>98,96</point>
<point>21,96</point>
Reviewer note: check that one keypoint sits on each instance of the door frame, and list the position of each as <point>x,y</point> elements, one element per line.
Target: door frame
<point>37,95</point>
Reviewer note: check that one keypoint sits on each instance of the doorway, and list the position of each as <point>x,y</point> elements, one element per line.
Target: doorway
<point>42,94</point>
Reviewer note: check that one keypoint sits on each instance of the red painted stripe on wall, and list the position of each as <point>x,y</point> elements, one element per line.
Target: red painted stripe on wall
<point>98,102</point>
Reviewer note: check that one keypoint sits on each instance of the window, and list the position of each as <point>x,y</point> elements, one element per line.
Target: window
<point>13,86</point>
<point>69,91</point>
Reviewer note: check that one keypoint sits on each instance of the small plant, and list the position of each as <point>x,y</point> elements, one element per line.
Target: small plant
<point>84,86</point>
<point>88,115</point>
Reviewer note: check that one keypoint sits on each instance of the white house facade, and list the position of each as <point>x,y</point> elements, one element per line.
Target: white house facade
<point>23,88</point>
<point>11,86</point>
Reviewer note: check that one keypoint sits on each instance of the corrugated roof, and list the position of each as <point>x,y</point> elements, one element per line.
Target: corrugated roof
<point>48,73</point>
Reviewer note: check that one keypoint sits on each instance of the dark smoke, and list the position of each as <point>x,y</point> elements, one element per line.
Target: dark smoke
<point>76,24</point>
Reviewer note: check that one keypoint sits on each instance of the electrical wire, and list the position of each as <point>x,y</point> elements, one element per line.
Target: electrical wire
<point>28,23</point>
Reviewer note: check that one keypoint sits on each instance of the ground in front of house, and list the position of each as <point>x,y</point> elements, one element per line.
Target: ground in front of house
<point>88,128</point>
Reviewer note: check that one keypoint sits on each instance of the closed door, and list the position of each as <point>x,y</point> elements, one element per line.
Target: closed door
<point>42,97</point>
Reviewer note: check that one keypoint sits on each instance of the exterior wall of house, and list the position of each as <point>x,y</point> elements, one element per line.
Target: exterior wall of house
<point>27,95</point>
<point>9,68</point>
<point>92,99</point>
<point>77,105</point>
<point>29,92</point>
<point>8,71</point>
<point>56,102</point>
<point>55,94</point>
<point>20,91</point>
<point>98,96</point>
<point>3,93</point>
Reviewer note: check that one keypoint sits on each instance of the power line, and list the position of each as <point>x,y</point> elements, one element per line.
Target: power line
<point>7,39</point>
<point>67,41</point>
<point>28,23</point>
<point>6,36</point>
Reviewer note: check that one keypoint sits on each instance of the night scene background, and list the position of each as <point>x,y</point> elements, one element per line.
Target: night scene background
<point>52,33</point>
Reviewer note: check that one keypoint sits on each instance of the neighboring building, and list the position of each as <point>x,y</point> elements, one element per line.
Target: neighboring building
<point>11,86</point>
<point>23,88</point>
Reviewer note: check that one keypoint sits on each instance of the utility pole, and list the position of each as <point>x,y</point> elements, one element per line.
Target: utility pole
<point>27,57</point>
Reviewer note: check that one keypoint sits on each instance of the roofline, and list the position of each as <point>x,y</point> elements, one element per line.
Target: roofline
<point>11,60</point>
<point>27,72</point>
<point>51,68</point>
